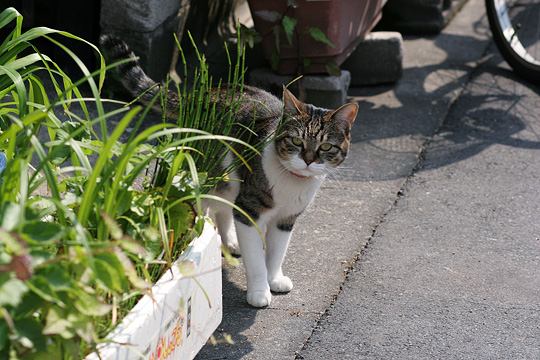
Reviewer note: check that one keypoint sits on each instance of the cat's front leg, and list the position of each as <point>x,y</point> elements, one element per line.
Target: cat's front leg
<point>225,224</point>
<point>251,247</point>
<point>277,240</point>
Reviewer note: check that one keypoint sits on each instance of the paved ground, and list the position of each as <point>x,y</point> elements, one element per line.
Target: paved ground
<point>427,245</point>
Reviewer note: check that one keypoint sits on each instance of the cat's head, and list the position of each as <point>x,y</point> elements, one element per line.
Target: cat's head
<point>313,141</point>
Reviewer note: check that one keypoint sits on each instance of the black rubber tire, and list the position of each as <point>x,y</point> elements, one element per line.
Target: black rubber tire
<point>527,70</point>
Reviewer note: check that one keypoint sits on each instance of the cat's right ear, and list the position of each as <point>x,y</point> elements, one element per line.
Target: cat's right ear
<point>292,104</point>
<point>346,113</point>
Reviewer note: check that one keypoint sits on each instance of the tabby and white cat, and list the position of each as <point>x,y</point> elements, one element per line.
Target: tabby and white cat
<point>310,143</point>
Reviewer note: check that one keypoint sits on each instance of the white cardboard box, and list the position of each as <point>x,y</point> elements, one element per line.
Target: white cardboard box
<point>181,316</point>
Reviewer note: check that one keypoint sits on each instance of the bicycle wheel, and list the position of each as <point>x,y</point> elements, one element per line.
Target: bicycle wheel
<point>515,25</point>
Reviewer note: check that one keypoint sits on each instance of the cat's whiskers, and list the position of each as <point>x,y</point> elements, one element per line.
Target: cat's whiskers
<point>284,171</point>
<point>334,174</point>
<point>332,177</point>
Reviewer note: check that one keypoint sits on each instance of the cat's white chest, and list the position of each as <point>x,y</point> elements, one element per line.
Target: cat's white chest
<point>291,195</point>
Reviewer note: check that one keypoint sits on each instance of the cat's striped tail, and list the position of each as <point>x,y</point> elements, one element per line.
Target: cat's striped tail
<point>132,77</point>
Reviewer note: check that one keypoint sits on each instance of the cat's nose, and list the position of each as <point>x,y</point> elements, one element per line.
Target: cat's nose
<point>308,157</point>
<point>309,160</point>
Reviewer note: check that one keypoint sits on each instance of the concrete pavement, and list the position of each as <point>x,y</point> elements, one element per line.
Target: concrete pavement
<point>426,243</point>
<point>453,271</point>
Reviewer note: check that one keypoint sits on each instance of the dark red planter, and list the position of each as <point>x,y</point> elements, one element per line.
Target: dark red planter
<point>345,23</point>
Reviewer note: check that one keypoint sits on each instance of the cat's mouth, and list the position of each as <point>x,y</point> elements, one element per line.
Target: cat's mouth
<point>295,169</point>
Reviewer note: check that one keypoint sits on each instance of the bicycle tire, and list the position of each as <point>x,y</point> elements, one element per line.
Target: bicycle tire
<point>527,68</point>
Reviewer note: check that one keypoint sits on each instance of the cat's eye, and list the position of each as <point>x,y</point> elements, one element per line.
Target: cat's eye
<point>297,141</point>
<point>325,146</point>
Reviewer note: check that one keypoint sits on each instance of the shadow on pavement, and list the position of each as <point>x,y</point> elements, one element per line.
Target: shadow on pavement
<point>389,132</point>
<point>237,316</point>
<point>480,121</point>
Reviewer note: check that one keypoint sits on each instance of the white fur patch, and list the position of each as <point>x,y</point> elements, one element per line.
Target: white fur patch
<point>291,193</point>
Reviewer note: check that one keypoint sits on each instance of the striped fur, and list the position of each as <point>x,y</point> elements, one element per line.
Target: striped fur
<point>133,78</point>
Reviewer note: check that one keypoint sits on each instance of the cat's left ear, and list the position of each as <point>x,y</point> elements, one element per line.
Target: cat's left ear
<point>346,113</point>
<point>292,104</point>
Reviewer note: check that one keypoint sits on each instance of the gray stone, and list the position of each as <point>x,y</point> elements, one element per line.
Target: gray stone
<point>147,27</point>
<point>137,15</point>
<point>153,48</point>
<point>321,90</point>
<point>419,16</point>
<point>378,59</point>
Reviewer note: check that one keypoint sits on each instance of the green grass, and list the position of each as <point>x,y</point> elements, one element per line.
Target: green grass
<point>85,227</point>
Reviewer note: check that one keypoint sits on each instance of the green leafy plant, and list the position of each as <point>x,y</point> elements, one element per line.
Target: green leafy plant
<point>288,25</point>
<point>90,219</point>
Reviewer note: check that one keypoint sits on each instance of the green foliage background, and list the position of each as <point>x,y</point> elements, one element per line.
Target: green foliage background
<point>88,218</point>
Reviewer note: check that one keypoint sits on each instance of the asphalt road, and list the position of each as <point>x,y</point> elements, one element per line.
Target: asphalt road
<point>427,244</point>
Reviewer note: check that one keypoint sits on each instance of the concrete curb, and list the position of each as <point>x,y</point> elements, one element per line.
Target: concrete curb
<point>321,90</point>
<point>377,59</point>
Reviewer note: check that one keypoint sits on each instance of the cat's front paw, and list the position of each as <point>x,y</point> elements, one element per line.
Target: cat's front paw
<point>231,242</point>
<point>259,298</point>
<point>234,248</point>
<point>281,284</point>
